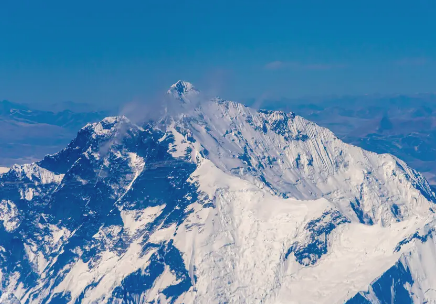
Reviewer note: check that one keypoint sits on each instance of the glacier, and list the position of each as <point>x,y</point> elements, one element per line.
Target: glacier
<point>215,203</point>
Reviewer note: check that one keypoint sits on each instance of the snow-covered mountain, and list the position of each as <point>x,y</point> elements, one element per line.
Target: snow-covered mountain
<point>219,203</point>
<point>402,125</point>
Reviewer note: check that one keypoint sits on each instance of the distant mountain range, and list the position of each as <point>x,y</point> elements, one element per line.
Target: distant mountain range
<point>403,125</point>
<point>29,134</point>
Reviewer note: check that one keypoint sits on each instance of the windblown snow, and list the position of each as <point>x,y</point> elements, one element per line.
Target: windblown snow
<point>220,204</point>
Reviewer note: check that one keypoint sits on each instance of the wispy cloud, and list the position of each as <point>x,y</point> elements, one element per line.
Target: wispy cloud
<point>275,65</point>
<point>412,61</point>
<point>294,65</point>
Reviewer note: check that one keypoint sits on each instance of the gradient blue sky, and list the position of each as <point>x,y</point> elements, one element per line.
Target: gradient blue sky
<point>108,52</point>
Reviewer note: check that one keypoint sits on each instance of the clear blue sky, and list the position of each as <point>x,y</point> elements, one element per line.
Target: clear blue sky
<point>115,51</point>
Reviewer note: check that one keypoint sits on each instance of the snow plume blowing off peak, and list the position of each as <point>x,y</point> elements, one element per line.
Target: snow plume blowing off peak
<point>181,97</point>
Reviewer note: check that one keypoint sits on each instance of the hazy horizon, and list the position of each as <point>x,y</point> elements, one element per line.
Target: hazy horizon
<point>112,53</point>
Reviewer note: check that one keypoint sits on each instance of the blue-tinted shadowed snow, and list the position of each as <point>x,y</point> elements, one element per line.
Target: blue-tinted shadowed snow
<point>164,180</point>
<point>14,258</point>
<point>415,236</point>
<point>391,288</point>
<point>280,124</point>
<point>174,260</point>
<point>87,207</point>
<point>245,157</point>
<point>139,282</point>
<point>163,183</point>
<point>309,251</point>
<point>361,215</point>
<point>396,211</point>
<point>60,298</point>
<point>358,299</point>
<point>257,128</point>
<point>62,161</point>
<point>82,295</point>
<point>85,200</point>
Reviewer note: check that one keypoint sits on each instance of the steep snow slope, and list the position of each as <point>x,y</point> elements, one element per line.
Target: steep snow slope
<point>296,158</point>
<point>220,204</point>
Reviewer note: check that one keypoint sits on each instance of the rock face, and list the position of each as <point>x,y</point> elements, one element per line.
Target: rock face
<point>218,204</point>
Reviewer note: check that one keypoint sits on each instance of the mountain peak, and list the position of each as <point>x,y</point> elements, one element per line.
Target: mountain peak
<point>182,89</point>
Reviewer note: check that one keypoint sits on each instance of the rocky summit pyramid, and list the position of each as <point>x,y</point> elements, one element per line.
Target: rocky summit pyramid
<point>183,91</point>
<point>217,204</point>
